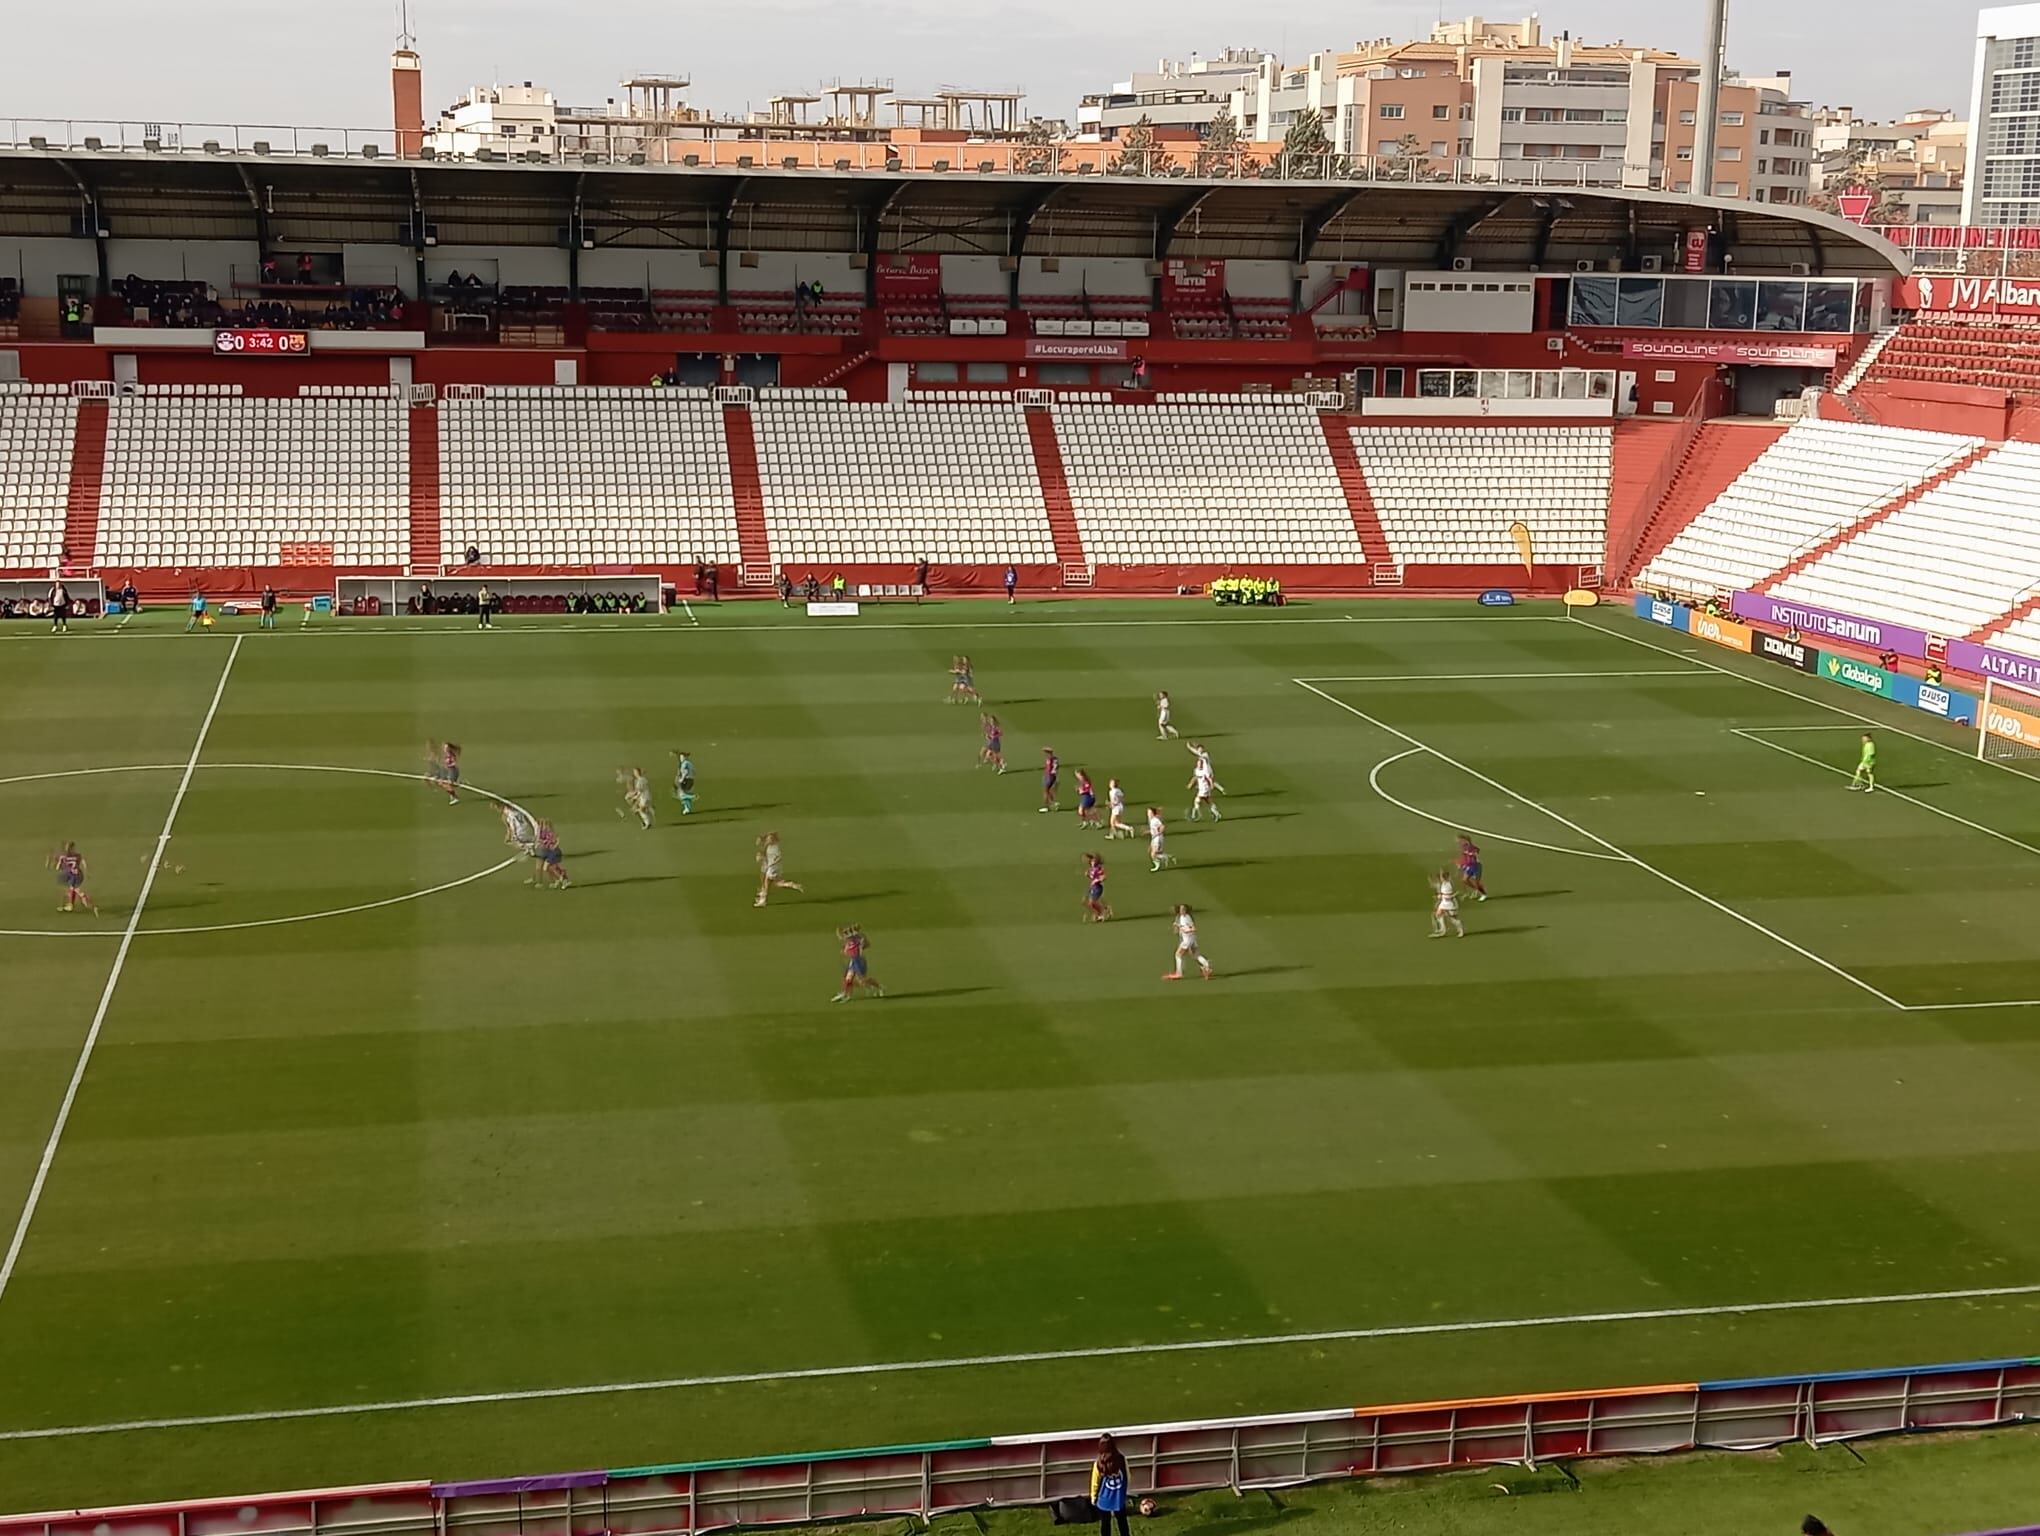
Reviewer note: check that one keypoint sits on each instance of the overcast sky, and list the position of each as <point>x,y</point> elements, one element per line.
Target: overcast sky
<point>325,62</point>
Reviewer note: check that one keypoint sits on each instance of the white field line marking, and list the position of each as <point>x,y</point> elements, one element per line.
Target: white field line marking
<point>688,609</point>
<point>1752,734</point>
<point>1594,837</point>
<point>1374,783</point>
<point>1967,753</point>
<point>652,625</point>
<point>264,922</point>
<point>127,940</point>
<point>123,624</point>
<point>1493,677</point>
<point>1031,1357</point>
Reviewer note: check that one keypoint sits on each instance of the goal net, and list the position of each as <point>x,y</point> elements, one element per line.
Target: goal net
<point>2008,725</point>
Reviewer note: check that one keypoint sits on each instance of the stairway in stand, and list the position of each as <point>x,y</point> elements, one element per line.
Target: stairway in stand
<point>1055,497</point>
<point>427,555</point>
<point>88,472</point>
<point>1897,503</point>
<point>754,543</point>
<point>1353,483</point>
<point>1713,461</point>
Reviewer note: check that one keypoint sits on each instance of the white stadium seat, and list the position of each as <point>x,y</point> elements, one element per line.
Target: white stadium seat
<point>1238,480</point>
<point>1819,477</point>
<point>36,428</point>
<point>204,477</point>
<point>948,478</point>
<point>589,476</point>
<point>1447,495</point>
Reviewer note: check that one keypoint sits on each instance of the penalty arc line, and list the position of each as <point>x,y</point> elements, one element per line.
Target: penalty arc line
<point>1374,783</point>
<point>1027,1357</point>
<point>127,941</point>
<point>1594,837</point>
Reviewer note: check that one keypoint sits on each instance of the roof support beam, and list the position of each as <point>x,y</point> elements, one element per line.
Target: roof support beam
<point>1547,221</point>
<point>874,236</point>
<point>94,220</point>
<point>725,216</point>
<point>1172,222</point>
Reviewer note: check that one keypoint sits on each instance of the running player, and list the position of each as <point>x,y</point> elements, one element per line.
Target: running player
<point>1865,776</point>
<point>1096,908</point>
<point>444,758</point>
<point>772,868</point>
<point>1158,853</point>
<point>1469,868</point>
<point>637,795</point>
<point>993,753</point>
<point>966,682</point>
<point>1202,753</point>
<point>1203,783</point>
<point>1186,945</point>
<point>69,864</point>
<point>1115,805</point>
<point>856,973</point>
<point>518,831</point>
<point>1087,801</point>
<point>1163,709</point>
<point>1445,907</point>
<point>550,870</point>
<point>683,783</point>
<point>1051,767</point>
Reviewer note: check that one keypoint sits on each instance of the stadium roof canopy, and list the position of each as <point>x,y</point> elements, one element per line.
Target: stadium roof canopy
<point>309,201</point>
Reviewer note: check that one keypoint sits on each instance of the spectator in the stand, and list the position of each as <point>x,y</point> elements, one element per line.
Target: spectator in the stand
<point>453,278</point>
<point>800,297</point>
<point>304,266</point>
<point>268,269</point>
<point>473,555</point>
<point>658,381</point>
<point>1108,1486</point>
<point>1140,373</point>
<point>1888,660</point>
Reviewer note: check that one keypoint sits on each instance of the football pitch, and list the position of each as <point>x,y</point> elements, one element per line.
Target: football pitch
<point>332,1151</point>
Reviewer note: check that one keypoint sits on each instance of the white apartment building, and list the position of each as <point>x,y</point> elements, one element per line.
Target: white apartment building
<point>1178,94</point>
<point>2002,182</point>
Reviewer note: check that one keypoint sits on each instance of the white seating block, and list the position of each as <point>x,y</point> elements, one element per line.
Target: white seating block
<point>36,425</point>
<point>1447,495</point>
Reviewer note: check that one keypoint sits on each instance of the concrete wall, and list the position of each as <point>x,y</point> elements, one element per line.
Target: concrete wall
<point>39,260</point>
<point>514,265</point>
<point>973,275</point>
<point>1120,276</point>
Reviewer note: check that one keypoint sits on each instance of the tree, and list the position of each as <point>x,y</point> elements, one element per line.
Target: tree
<point>1307,151</point>
<point>1221,155</point>
<point>1040,151</point>
<point>1404,160</point>
<point>1136,149</point>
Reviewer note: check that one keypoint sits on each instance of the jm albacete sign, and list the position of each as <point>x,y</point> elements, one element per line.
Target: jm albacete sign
<point>1968,295</point>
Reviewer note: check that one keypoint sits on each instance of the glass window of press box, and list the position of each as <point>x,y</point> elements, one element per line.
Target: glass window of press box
<point>1722,304</point>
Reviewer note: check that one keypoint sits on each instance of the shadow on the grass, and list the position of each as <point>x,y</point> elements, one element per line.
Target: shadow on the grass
<point>738,810</point>
<point>837,901</point>
<point>1495,933</point>
<point>590,885</point>
<point>933,992</point>
<point>1204,864</point>
<point>1262,970</point>
<point>1526,895</point>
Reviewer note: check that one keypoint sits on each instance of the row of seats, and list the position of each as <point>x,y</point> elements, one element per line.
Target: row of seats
<point>1448,494</point>
<point>570,476</point>
<point>35,474</point>
<point>1818,478</point>
<point>249,477</point>
<point>1240,479</point>
<point>949,480</point>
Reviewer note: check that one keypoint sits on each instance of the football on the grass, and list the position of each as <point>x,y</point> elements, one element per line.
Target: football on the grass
<point>1147,1506</point>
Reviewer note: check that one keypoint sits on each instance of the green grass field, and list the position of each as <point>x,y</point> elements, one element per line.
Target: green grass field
<point>494,1142</point>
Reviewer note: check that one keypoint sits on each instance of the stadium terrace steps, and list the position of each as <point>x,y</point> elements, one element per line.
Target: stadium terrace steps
<point>754,546</point>
<point>424,492</point>
<point>2015,618</point>
<point>1857,529</point>
<point>1639,459</point>
<point>1353,482</point>
<point>88,470</point>
<point>1055,489</point>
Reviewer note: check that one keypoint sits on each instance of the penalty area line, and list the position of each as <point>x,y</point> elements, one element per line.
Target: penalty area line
<point>1022,1358</point>
<point>127,943</point>
<point>1621,853</point>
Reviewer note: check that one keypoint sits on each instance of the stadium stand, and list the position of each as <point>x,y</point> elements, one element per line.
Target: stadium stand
<point>1949,350</point>
<point>36,423</point>
<point>948,478</point>
<point>1817,479</point>
<point>1204,480</point>
<point>1948,562</point>
<point>199,475</point>
<point>536,476</point>
<point>1446,495</point>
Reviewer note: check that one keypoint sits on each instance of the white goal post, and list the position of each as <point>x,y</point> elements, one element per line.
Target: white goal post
<point>2008,724</point>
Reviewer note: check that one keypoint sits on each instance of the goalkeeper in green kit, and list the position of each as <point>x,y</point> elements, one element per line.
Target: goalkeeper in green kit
<point>1865,776</point>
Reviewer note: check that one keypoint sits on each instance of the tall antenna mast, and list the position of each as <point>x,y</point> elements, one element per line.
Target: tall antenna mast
<point>1707,116</point>
<point>406,38</point>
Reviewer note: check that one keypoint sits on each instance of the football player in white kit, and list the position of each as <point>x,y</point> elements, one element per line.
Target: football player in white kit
<point>1202,753</point>
<point>1203,783</point>
<point>772,868</point>
<point>1115,804</point>
<point>1445,907</point>
<point>1186,944</point>
<point>1158,854</point>
<point>1163,709</point>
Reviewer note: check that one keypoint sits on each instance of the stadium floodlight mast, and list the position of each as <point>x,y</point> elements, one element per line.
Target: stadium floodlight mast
<point>1707,113</point>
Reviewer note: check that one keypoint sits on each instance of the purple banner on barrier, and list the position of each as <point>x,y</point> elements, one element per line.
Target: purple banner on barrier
<point>1988,661</point>
<point>546,1484</point>
<point>1872,634</point>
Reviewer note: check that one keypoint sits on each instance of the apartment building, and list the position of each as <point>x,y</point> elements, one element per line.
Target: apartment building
<point>1186,94</point>
<point>2001,183</point>
<point>1763,150</point>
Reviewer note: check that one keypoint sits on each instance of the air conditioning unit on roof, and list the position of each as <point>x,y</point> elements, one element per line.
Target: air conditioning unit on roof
<point>1462,263</point>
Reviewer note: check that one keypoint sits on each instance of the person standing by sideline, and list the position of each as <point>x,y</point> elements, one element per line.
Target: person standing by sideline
<point>1012,583</point>
<point>60,608</point>
<point>199,619</point>
<point>269,608</point>
<point>485,608</point>
<point>1108,1486</point>
<point>920,579</point>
